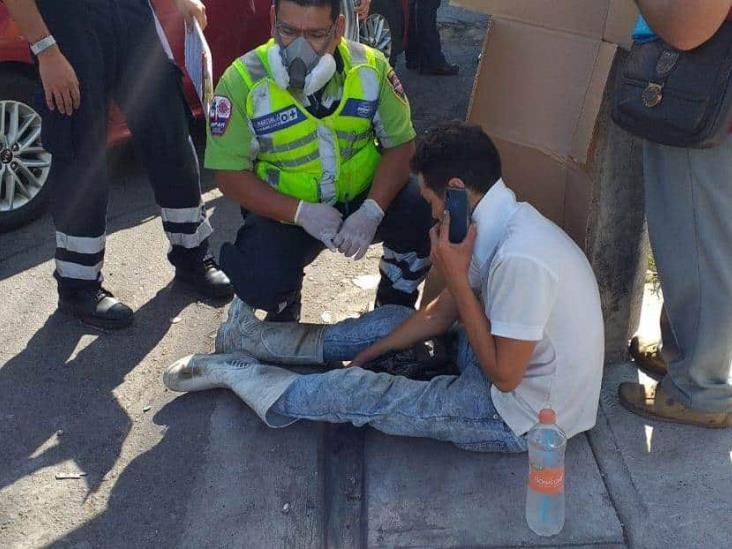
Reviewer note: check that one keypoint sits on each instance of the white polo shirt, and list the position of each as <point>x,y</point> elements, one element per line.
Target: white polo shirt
<point>537,285</point>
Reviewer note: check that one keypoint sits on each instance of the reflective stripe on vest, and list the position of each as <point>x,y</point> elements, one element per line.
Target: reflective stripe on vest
<point>317,160</point>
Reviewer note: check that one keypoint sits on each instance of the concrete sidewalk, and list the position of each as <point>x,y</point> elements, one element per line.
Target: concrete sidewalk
<point>629,483</point>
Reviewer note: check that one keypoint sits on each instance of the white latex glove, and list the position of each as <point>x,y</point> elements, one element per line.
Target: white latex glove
<point>359,229</point>
<point>320,221</point>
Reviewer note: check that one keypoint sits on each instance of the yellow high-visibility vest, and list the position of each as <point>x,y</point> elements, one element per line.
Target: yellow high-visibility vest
<point>331,159</point>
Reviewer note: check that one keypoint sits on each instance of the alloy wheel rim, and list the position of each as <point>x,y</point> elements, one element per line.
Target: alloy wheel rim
<point>375,32</point>
<point>24,163</point>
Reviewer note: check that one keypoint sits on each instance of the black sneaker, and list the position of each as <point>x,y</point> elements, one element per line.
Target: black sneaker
<point>207,278</point>
<point>96,307</point>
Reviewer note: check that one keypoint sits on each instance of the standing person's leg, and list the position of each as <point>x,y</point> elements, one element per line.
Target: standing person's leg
<point>149,93</point>
<point>79,179</point>
<point>266,264</point>
<point>413,50</point>
<point>406,260</point>
<point>431,58</point>
<point>689,210</point>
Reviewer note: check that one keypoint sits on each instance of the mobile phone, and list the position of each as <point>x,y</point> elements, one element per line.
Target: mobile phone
<point>456,202</point>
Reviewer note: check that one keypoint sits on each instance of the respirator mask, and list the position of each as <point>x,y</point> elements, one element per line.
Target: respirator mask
<point>299,65</point>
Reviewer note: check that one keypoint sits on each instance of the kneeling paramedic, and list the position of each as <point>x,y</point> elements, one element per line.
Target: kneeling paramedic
<point>293,137</point>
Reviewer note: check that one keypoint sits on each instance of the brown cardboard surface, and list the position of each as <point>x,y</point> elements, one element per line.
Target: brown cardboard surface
<point>534,177</point>
<point>609,20</point>
<point>540,88</point>
<point>538,94</point>
<point>577,204</point>
<point>621,18</point>
<point>592,101</point>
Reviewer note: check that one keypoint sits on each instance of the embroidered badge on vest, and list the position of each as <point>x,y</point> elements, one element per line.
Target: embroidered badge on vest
<point>396,85</point>
<point>279,120</point>
<point>219,115</point>
<point>360,108</point>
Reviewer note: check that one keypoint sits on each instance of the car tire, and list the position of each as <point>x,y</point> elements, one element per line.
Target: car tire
<point>17,89</point>
<point>385,18</point>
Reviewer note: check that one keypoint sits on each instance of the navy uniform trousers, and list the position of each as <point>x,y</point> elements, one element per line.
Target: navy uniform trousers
<point>118,52</point>
<point>266,263</point>
<point>425,47</point>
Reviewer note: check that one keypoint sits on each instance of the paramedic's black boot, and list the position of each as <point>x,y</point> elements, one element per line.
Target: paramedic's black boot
<point>291,313</point>
<point>96,307</point>
<point>206,278</point>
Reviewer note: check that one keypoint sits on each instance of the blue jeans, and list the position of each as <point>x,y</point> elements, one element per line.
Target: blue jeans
<point>689,211</point>
<point>457,408</point>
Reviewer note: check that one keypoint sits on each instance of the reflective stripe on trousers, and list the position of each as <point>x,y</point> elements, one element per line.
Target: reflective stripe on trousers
<point>406,271</point>
<point>79,257</point>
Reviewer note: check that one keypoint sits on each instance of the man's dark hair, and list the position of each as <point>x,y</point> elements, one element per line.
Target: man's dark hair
<point>457,149</point>
<point>335,5</point>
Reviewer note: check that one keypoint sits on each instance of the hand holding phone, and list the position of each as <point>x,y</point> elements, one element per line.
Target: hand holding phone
<point>456,202</point>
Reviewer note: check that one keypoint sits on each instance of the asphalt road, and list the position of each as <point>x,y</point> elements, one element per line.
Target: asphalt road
<point>148,467</point>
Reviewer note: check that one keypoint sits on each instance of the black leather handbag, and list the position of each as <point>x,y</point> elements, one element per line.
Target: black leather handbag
<point>677,98</point>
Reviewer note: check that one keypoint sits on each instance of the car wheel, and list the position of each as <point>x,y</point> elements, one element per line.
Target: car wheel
<point>24,163</point>
<point>382,29</point>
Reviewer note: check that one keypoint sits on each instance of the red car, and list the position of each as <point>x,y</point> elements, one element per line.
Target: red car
<point>234,27</point>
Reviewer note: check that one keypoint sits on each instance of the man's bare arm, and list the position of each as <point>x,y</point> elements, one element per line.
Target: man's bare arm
<point>685,24</point>
<point>250,192</point>
<point>433,320</point>
<point>26,15</point>
<point>60,85</point>
<point>504,360</point>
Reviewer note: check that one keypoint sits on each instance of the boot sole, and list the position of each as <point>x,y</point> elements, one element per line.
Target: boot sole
<point>71,311</point>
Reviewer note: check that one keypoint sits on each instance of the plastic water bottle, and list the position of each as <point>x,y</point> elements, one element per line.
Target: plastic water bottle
<point>545,491</point>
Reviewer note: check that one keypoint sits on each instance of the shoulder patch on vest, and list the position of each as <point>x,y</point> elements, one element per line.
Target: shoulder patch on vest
<point>396,84</point>
<point>219,115</point>
<point>279,120</point>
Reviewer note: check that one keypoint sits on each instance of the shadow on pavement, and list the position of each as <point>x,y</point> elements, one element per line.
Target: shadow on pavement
<point>147,506</point>
<point>64,380</point>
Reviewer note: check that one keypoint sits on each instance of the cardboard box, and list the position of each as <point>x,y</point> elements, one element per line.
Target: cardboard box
<point>607,20</point>
<point>538,93</point>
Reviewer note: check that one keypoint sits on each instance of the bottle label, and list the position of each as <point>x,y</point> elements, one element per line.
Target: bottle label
<point>548,481</point>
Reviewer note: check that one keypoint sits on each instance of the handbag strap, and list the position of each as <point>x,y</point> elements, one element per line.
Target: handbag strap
<point>667,61</point>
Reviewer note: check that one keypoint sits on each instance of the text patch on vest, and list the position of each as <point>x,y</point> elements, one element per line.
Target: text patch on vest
<point>279,120</point>
<point>360,108</point>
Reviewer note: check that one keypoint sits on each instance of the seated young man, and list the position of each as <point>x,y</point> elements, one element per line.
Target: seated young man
<point>530,332</point>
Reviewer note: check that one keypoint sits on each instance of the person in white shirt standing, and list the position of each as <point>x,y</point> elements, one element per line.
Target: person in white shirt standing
<point>530,330</point>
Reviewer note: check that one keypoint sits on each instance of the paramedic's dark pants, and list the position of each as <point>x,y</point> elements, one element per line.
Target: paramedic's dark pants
<point>266,263</point>
<point>116,52</point>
